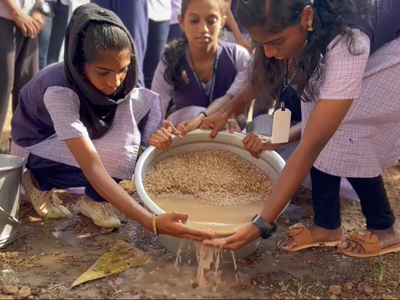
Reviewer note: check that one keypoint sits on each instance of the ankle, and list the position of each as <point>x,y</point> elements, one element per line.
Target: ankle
<point>320,231</point>
<point>91,200</point>
<point>35,183</point>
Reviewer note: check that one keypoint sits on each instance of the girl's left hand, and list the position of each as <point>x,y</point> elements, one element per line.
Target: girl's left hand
<point>241,238</point>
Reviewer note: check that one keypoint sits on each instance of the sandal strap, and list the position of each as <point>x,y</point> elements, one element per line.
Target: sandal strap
<point>367,240</point>
<point>300,233</point>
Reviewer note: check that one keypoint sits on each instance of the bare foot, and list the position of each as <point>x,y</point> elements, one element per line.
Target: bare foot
<point>319,235</point>
<point>386,238</point>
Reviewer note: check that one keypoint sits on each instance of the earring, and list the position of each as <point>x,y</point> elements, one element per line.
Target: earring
<point>310,28</point>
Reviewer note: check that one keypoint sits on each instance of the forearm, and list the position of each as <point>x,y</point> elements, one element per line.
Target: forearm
<point>292,176</point>
<point>295,133</point>
<point>239,102</point>
<point>218,104</point>
<point>114,194</point>
<point>233,26</point>
<point>11,6</point>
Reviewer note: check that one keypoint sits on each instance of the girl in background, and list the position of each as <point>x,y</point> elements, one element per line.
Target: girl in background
<point>134,14</point>
<point>235,33</point>
<point>347,75</point>
<point>81,122</point>
<point>199,74</point>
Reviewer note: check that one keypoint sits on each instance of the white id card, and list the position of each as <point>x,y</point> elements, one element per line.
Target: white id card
<point>281,126</point>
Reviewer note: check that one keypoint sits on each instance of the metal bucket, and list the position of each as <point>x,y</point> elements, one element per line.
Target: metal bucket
<point>269,162</point>
<point>11,168</point>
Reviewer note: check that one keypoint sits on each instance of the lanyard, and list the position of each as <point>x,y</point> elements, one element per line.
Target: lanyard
<point>286,83</point>
<point>213,78</point>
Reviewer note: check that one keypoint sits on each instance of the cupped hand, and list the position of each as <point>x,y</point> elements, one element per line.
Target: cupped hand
<point>241,238</point>
<point>216,122</point>
<point>255,143</point>
<point>161,139</point>
<point>187,126</point>
<point>173,224</point>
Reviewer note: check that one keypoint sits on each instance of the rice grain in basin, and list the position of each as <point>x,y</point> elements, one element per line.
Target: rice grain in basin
<point>210,181</point>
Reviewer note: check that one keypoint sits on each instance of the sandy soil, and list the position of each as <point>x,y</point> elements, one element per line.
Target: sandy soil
<point>52,254</point>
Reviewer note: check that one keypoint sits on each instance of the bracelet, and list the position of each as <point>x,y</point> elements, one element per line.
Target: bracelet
<point>226,115</point>
<point>155,225</point>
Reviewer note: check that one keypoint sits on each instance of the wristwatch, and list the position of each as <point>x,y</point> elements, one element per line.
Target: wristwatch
<point>203,113</point>
<point>267,229</point>
<point>44,8</point>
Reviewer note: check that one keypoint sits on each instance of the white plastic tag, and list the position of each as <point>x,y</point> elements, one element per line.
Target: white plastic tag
<point>281,126</point>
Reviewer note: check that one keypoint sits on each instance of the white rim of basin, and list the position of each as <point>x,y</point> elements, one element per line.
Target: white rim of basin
<point>154,208</point>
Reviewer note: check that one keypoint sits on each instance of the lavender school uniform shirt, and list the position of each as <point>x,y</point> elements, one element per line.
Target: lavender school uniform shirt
<point>231,77</point>
<point>368,139</point>
<point>382,26</point>
<point>49,113</point>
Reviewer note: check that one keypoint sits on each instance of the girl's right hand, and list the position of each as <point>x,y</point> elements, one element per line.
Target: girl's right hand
<point>173,224</point>
<point>255,143</point>
<point>216,122</point>
<point>161,139</point>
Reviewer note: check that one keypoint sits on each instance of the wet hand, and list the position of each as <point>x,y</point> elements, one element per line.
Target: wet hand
<point>216,122</point>
<point>189,125</point>
<point>255,143</point>
<point>161,139</point>
<point>241,238</point>
<point>174,224</point>
<point>28,25</point>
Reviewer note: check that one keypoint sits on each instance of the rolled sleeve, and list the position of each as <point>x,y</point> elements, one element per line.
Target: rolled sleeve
<point>344,71</point>
<point>242,67</point>
<point>63,106</point>
<point>161,86</point>
<point>154,122</point>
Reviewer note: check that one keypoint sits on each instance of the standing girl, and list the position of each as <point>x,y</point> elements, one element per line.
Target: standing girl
<point>347,74</point>
<point>199,74</point>
<point>81,122</point>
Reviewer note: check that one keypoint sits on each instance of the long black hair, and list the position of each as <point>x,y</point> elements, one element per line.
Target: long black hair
<point>330,18</point>
<point>175,50</point>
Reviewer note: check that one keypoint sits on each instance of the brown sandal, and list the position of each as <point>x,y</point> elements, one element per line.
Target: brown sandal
<point>370,244</point>
<point>303,238</point>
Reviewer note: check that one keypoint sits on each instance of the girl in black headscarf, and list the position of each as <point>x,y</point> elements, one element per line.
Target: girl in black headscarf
<point>81,122</point>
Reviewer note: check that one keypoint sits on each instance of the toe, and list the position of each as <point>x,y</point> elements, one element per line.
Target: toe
<point>351,246</point>
<point>287,244</point>
<point>343,244</point>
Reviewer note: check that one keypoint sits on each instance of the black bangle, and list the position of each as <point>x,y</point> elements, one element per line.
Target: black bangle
<point>203,113</point>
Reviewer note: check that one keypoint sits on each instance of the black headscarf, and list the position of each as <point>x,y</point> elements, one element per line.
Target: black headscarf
<point>97,110</point>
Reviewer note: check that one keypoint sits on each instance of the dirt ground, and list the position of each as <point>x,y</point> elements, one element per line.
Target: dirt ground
<point>50,255</point>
